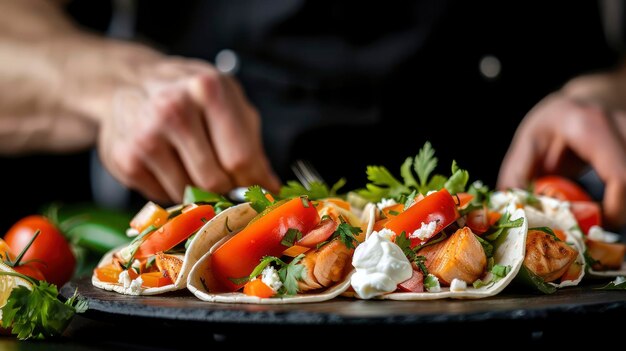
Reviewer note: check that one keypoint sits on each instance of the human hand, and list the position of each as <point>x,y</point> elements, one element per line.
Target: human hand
<point>562,134</point>
<point>182,122</point>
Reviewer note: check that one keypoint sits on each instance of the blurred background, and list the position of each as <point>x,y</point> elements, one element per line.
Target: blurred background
<point>347,84</point>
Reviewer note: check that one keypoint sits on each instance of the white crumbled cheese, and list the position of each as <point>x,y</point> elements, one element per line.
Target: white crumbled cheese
<point>132,287</point>
<point>500,199</point>
<point>124,279</point>
<point>619,280</point>
<point>271,278</point>
<point>384,203</point>
<point>380,266</point>
<point>596,233</point>
<point>426,231</point>
<point>436,287</point>
<point>135,286</point>
<point>130,232</point>
<point>458,285</point>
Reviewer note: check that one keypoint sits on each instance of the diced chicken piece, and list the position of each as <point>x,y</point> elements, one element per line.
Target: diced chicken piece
<point>461,256</point>
<point>170,264</point>
<point>608,255</point>
<point>546,257</point>
<point>331,263</point>
<point>309,282</point>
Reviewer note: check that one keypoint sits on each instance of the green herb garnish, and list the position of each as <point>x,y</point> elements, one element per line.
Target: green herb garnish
<point>504,223</point>
<point>291,237</point>
<point>257,198</point>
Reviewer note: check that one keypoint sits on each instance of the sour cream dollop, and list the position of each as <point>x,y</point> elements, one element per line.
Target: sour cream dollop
<point>380,265</point>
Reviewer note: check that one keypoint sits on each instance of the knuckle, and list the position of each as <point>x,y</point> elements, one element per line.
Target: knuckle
<point>208,82</point>
<point>238,162</point>
<point>146,143</point>
<point>216,182</point>
<point>131,167</point>
<point>169,109</point>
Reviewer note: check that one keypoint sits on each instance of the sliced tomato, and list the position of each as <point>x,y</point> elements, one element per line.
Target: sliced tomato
<point>175,231</point>
<point>560,188</point>
<point>438,207</point>
<point>587,214</point>
<point>480,220</point>
<point>319,234</point>
<point>150,214</point>
<point>240,254</point>
<point>258,288</point>
<point>413,284</point>
<point>155,280</point>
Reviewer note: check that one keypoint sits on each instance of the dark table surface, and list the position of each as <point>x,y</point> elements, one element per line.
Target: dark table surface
<point>179,320</point>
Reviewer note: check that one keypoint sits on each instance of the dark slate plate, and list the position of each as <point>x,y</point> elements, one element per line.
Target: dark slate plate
<point>578,302</point>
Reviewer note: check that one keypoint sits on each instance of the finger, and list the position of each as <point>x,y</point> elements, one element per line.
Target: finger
<point>188,133</point>
<point>521,161</point>
<point>234,128</point>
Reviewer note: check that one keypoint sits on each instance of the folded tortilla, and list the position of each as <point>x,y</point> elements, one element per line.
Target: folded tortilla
<point>204,239</point>
<point>200,278</point>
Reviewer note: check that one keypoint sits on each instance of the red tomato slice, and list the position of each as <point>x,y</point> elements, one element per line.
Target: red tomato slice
<point>478,220</point>
<point>241,253</point>
<point>560,188</point>
<point>413,284</point>
<point>587,214</point>
<point>175,231</point>
<point>439,207</point>
<point>321,232</point>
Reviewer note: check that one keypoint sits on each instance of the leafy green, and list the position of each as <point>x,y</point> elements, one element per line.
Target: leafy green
<point>128,253</point>
<point>316,191</point>
<point>193,195</point>
<point>405,244</point>
<point>384,185</point>
<point>257,198</point>
<point>38,313</point>
<point>291,237</point>
<point>458,180</point>
<point>407,175</point>
<point>290,275</point>
<point>590,261</point>
<point>430,282</point>
<point>420,263</point>
<point>618,284</point>
<point>425,163</point>
<point>530,279</point>
<point>439,238</point>
<point>347,234</point>
<point>409,199</point>
<point>486,246</point>
<point>500,271</point>
<point>504,223</point>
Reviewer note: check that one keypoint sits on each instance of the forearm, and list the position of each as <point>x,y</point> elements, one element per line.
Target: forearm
<point>57,81</point>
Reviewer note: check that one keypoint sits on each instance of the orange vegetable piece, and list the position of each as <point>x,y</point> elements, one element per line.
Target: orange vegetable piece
<point>258,288</point>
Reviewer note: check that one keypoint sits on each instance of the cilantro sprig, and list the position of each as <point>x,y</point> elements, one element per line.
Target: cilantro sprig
<point>38,313</point>
<point>417,175</point>
<point>193,195</point>
<point>346,233</point>
<point>502,225</point>
<point>289,273</point>
<point>257,198</point>
<point>316,190</point>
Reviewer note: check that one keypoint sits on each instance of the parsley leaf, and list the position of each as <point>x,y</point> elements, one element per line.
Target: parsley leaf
<point>407,175</point>
<point>193,195</point>
<point>420,263</point>
<point>338,185</point>
<point>257,198</point>
<point>384,185</point>
<point>346,233</point>
<point>405,244</point>
<point>618,284</point>
<point>458,180</point>
<point>38,313</point>
<point>291,274</point>
<point>410,199</point>
<point>291,237</point>
<point>316,191</point>
<point>425,163</point>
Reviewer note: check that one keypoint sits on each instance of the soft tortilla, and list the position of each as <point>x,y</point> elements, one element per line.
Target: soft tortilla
<point>200,275</point>
<point>206,237</point>
<point>510,249</point>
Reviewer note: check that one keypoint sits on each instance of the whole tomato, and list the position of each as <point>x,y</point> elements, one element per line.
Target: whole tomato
<point>52,252</point>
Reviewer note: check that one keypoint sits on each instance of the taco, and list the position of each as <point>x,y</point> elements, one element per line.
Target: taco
<point>167,244</point>
<point>554,256</point>
<point>273,252</point>
<point>439,247</point>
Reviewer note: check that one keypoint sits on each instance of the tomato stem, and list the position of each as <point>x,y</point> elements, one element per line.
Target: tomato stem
<point>17,261</point>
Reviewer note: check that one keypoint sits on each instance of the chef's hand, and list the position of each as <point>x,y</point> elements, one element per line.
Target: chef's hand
<point>567,131</point>
<point>182,122</point>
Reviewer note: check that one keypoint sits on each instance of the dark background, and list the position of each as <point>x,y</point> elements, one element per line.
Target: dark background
<point>346,84</point>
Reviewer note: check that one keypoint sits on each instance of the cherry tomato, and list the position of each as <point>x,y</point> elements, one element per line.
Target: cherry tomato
<point>237,257</point>
<point>587,214</point>
<point>57,261</point>
<point>175,231</point>
<point>560,188</point>
<point>438,207</point>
